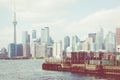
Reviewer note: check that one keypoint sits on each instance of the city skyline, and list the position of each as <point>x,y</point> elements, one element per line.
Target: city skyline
<point>64,17</point>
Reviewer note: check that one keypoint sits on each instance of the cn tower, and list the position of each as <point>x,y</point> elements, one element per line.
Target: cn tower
<point>15,23</point>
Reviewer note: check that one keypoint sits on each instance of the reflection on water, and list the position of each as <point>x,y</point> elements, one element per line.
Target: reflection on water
<point>31,70</point>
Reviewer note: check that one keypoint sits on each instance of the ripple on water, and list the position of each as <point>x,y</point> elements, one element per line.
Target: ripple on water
<point>31,70</point>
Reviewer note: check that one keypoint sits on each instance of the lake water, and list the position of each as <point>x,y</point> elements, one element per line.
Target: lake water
<point>31,70</point>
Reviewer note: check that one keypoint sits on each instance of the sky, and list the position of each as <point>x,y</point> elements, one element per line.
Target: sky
<point>63,17</point>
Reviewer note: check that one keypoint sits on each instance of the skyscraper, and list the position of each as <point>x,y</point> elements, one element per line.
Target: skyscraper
<point>92,35</point>
<point>66,42</point>
<point>75,40</point>
<point>26,44</point>
<point>110,42</point>
<point>118,36</point>
<point>33,34</point>
<point>11,50</point>
<point>57,49</point>
<point>42,36</point>
<point>92,44</point>
<point>118,39</point>
<point>45,35</point>
<point>19,50</point>
<point>99,40</point>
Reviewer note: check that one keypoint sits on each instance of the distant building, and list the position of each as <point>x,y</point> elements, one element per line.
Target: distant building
<point>11,50</point>
<point>75,40</point>
<point>118,48</point>
<point>118,39</point>
<point>33,49</point>
<point>88,45</point>
<point>57,49</point>
<point>42,36</point>
<point>49,51</point>
<point>38,50</point>
<point>99,41</point>
<point>19,50</point>
<point>51,41</point>
<point>68,52</point>
<point>34,34</point>
<point>3,53</point>
<point>45,35</point>
<point>110,42</point>
<point>26,44</point>
<point>92,35</point>
<point>43,50</point>
<point>118,36</point>
<point>85,46</point>
<point>66,42</point>
<point>79,46</point>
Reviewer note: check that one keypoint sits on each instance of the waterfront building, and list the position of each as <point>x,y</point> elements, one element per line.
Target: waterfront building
<point>26,44</point>
<point>66,42</point>
<point>118,39</point>
<point>49,51</point>
<point>34,34</point>
<point>68,52</point>
<point>92,35</point>
<point>99,41</point>
<point>50,41</point>
<point>90,41</point>
<point>42,36</point>
<point>19,50</point>
<point>110,42</point>
<point>3,53</point>
<point>33,49</point>
<point>118,48</point>
<point>43,49</point>
<point>45,35</point>
<point>118,36</point>
<point>11,50</point>
<point>85,46</point>
<point>88,44</point>
<point>38,50</point>
<point>78,47</point>
<point>57,49</point>
<point>75,40</point>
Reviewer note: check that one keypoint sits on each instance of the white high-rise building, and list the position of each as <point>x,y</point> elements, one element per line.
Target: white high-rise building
<point>85,46</point>
<point>45,35</point>
<point>99,40</point>
<point>118,39</point>
<point>57,49</point>
<point>42,36</point>
<point>33,49</point>
<point>38,50</point>
<point>66,42</point>
<point>34,34</point>
<point>26,44</point>
<point>75,40</point>
<point>110,42</point>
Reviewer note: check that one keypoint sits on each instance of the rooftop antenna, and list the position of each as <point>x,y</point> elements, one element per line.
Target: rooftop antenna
<point>14,24</point>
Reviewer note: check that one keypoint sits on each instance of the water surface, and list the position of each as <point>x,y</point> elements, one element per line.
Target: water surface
<point>31,70</point>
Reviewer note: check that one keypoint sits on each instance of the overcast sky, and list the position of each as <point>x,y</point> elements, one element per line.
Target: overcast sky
<point>63,17</point>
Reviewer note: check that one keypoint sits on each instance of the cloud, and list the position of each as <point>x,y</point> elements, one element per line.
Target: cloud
<point>40,10</point>
<point>36,14</point>
<point>108,19</point>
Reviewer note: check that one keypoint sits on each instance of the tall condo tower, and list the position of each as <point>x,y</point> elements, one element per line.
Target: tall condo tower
<point>15,23</point>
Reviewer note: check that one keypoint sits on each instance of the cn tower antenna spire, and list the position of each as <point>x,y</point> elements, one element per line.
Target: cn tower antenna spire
<point>14,24</point>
